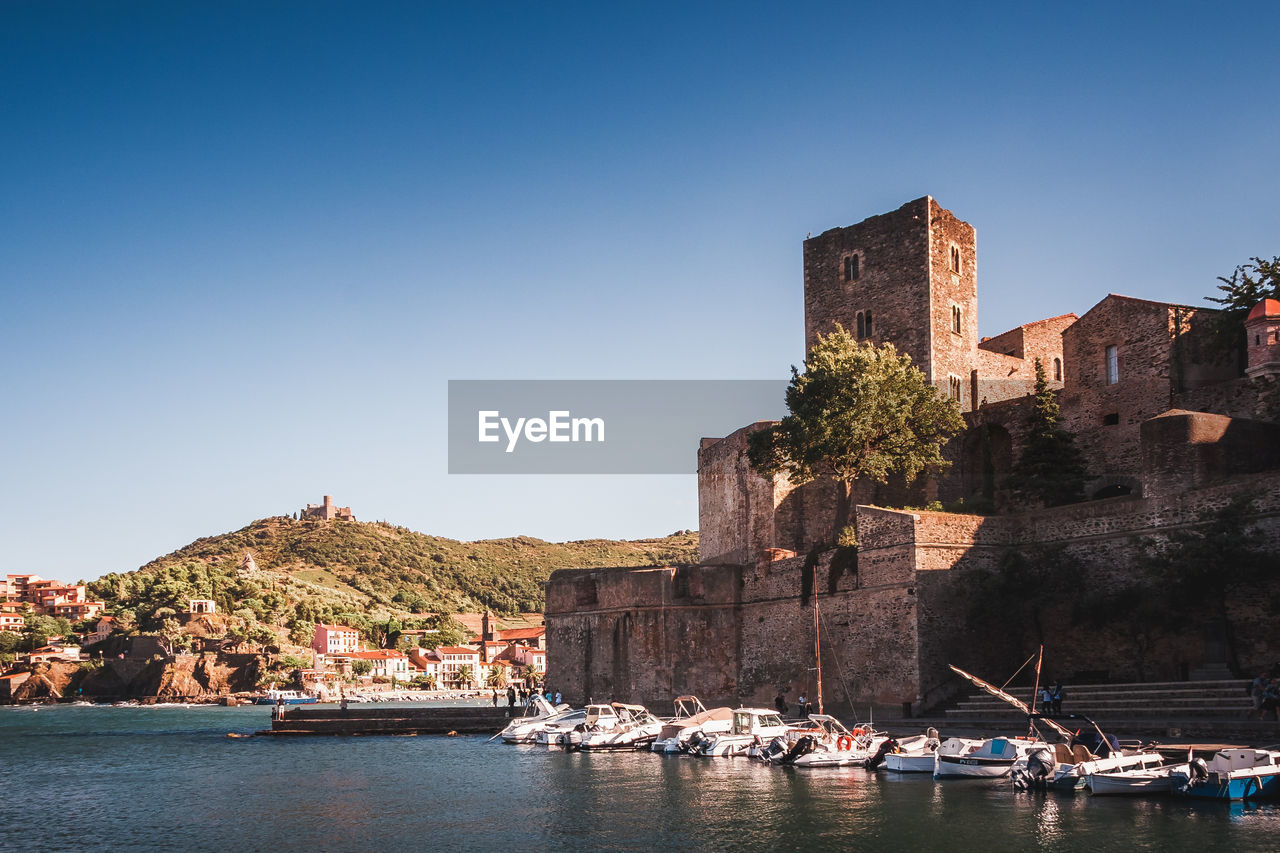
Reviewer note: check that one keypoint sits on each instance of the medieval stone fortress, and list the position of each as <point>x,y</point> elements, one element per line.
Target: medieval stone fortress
<point>1171,430</point>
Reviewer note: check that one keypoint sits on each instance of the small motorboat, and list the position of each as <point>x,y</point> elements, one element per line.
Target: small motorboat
<point>633,728</point>
<point>751,729</point>
<point>691,716</point>
<point>1067,768</point>
<point>285,697</point>
<point>1232,774</point>
<point>993,757</point>
<point>823,741</point>
<point>537,715</point>
<point>915,754</point>
<point>1145,781</point>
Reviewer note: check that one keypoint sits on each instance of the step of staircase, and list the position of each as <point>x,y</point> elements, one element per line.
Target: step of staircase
<point>1223,698</point>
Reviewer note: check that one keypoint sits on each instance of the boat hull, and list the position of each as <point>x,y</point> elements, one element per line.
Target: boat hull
<point>902,763</point>
<point>969,767</point>
<point>1253,786</point>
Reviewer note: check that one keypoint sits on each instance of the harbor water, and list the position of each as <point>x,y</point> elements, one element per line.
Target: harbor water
<point>169,778</point>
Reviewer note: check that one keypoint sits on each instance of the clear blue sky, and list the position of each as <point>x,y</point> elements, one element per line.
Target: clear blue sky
<point>243,246</point>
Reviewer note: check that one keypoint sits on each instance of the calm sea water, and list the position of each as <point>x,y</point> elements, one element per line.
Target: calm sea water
<point>88,778</point>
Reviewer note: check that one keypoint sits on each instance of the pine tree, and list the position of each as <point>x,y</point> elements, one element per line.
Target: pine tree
<point>1051,469</point>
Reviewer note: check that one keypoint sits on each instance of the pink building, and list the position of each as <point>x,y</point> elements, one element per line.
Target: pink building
<point>335,639</point>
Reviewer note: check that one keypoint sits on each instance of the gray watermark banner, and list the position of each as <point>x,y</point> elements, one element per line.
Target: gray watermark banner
<point>589,426</point>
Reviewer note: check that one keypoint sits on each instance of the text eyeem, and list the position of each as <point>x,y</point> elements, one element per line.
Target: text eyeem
<point>558,426</point>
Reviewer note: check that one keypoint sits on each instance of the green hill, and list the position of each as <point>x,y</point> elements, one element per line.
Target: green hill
<point>361,573</point>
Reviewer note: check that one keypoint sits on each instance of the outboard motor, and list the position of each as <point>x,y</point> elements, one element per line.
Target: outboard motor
<point>697,743</point>
<point>774,751</point>
<point>1039,769</point>
<point>887,747</point>
<point>804,746</point>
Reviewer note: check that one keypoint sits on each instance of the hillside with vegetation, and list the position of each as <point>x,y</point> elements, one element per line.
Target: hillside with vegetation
<point>377,577</point>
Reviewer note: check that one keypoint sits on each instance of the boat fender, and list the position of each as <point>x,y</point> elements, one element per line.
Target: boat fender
<point>845,743</point>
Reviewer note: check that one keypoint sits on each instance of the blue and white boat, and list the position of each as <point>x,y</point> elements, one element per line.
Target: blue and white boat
<point>287,697</point>
<point>1232,774</point>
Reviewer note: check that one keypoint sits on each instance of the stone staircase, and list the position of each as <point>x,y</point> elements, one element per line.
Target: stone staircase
<point>1220,699</point>
<point>1197,710</point>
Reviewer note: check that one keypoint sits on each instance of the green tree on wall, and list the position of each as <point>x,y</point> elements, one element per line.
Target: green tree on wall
<point>361,667</point>
<point>1051,469</point>
<point>1246,287</point>
<point>464,675</point>
<point>858,411</point>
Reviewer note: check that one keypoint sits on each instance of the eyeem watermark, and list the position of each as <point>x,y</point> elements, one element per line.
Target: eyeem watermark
<point>634,426</point>
<point>558,426</point>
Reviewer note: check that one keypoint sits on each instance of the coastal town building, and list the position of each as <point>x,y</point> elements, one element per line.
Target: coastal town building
<point>385,663</point>
<point>426,663</point>
<point>460,666</point>
<point>46,598</point>
<point>1171,429</point>
<point>106,625</point>
<point>335,639</point>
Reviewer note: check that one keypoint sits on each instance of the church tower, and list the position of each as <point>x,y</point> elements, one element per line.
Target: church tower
<point>909,277</point>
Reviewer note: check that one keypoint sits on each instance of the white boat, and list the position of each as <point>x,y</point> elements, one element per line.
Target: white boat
<point>823,741</point>
<point>285,697</point>
<point>751,728</point>
<point>1232,774</point>
<point>1068,768</point>
<point>598,718</point>
<point>993,758</point>
<point>916,754</point>
<point>633,728</point>
<point>691,716</point>
<point>549,733</point>
<point>539,713</point>
<point>1147,781</point>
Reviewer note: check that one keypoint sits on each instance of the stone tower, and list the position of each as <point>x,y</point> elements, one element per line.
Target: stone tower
<point>1262,328</point>
<point>909,277</point>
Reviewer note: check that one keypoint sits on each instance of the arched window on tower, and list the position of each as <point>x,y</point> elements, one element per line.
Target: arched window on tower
<point>869,332</point>
<point>1057,370</point>
<point>851,268</point>
<point>955,259</point>
<point>955,319</point>
<point>861,328</point>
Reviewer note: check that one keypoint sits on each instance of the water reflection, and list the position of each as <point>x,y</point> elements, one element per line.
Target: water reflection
<point>150,779</point>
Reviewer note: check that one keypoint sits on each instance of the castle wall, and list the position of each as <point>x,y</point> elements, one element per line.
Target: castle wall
<point>890,627</point>
<point>735,504</point>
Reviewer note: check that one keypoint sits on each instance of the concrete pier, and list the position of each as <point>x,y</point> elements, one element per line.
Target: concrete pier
<point>332,720</point>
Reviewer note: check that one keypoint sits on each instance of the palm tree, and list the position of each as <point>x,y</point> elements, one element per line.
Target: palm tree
<point>463,675</point>
<point>429,681</point>
<point>496,678</point>
<point>529,674</point>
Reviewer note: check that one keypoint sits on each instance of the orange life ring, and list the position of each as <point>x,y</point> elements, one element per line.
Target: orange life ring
<point>845,743</point>
<point>857,732</point>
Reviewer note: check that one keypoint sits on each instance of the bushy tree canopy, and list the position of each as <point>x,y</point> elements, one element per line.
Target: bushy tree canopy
<point>1246,287</point>
<point>858,411</point>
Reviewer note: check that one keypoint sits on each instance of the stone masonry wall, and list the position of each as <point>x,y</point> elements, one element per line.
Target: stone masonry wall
<point>953,353</point>
<point>893,279</point>
<point>735,504</point>
<point>739,633</point>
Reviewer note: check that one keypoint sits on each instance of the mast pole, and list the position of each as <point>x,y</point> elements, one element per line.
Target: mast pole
<point>817,637</point>
<point>1035,690</point>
